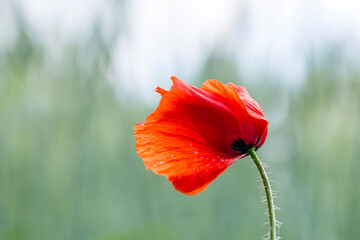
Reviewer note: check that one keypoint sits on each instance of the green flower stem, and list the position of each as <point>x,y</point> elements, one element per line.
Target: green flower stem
<point>268,191</point>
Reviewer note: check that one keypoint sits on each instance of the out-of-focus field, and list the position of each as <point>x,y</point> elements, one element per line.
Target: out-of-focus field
<point>69,170</point>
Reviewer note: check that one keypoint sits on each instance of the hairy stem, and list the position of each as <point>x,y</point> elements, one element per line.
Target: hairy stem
<point>268,191</point>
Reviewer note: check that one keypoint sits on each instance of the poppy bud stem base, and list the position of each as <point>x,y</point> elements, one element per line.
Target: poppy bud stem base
<point>268,191</point>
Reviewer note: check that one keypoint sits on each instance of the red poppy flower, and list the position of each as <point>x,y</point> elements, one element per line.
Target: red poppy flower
<point>196,134</point>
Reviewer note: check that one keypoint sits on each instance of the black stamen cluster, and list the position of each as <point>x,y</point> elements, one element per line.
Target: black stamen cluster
<point>241,146</point>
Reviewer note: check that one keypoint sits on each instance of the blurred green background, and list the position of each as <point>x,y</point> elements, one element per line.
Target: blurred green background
<point>69,170</point>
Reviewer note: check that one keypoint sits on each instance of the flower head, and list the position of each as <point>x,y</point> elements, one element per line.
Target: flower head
<point>196,134</point>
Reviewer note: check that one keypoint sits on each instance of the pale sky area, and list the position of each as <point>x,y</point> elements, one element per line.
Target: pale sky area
<point>164,38</point>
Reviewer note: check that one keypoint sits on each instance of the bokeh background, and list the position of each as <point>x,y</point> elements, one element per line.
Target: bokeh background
<point>75,76</point>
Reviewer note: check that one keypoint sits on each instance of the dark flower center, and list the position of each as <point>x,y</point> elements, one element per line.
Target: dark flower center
<point>241,146</point>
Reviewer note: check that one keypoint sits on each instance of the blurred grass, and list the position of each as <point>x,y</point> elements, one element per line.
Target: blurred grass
<point>69,170</point>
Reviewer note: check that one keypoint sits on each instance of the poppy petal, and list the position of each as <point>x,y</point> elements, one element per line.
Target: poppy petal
<point>251,105</point>
<point>160,90</point>
<point>254,109</point>
<point>249,112</point>
<point>186,164</point>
